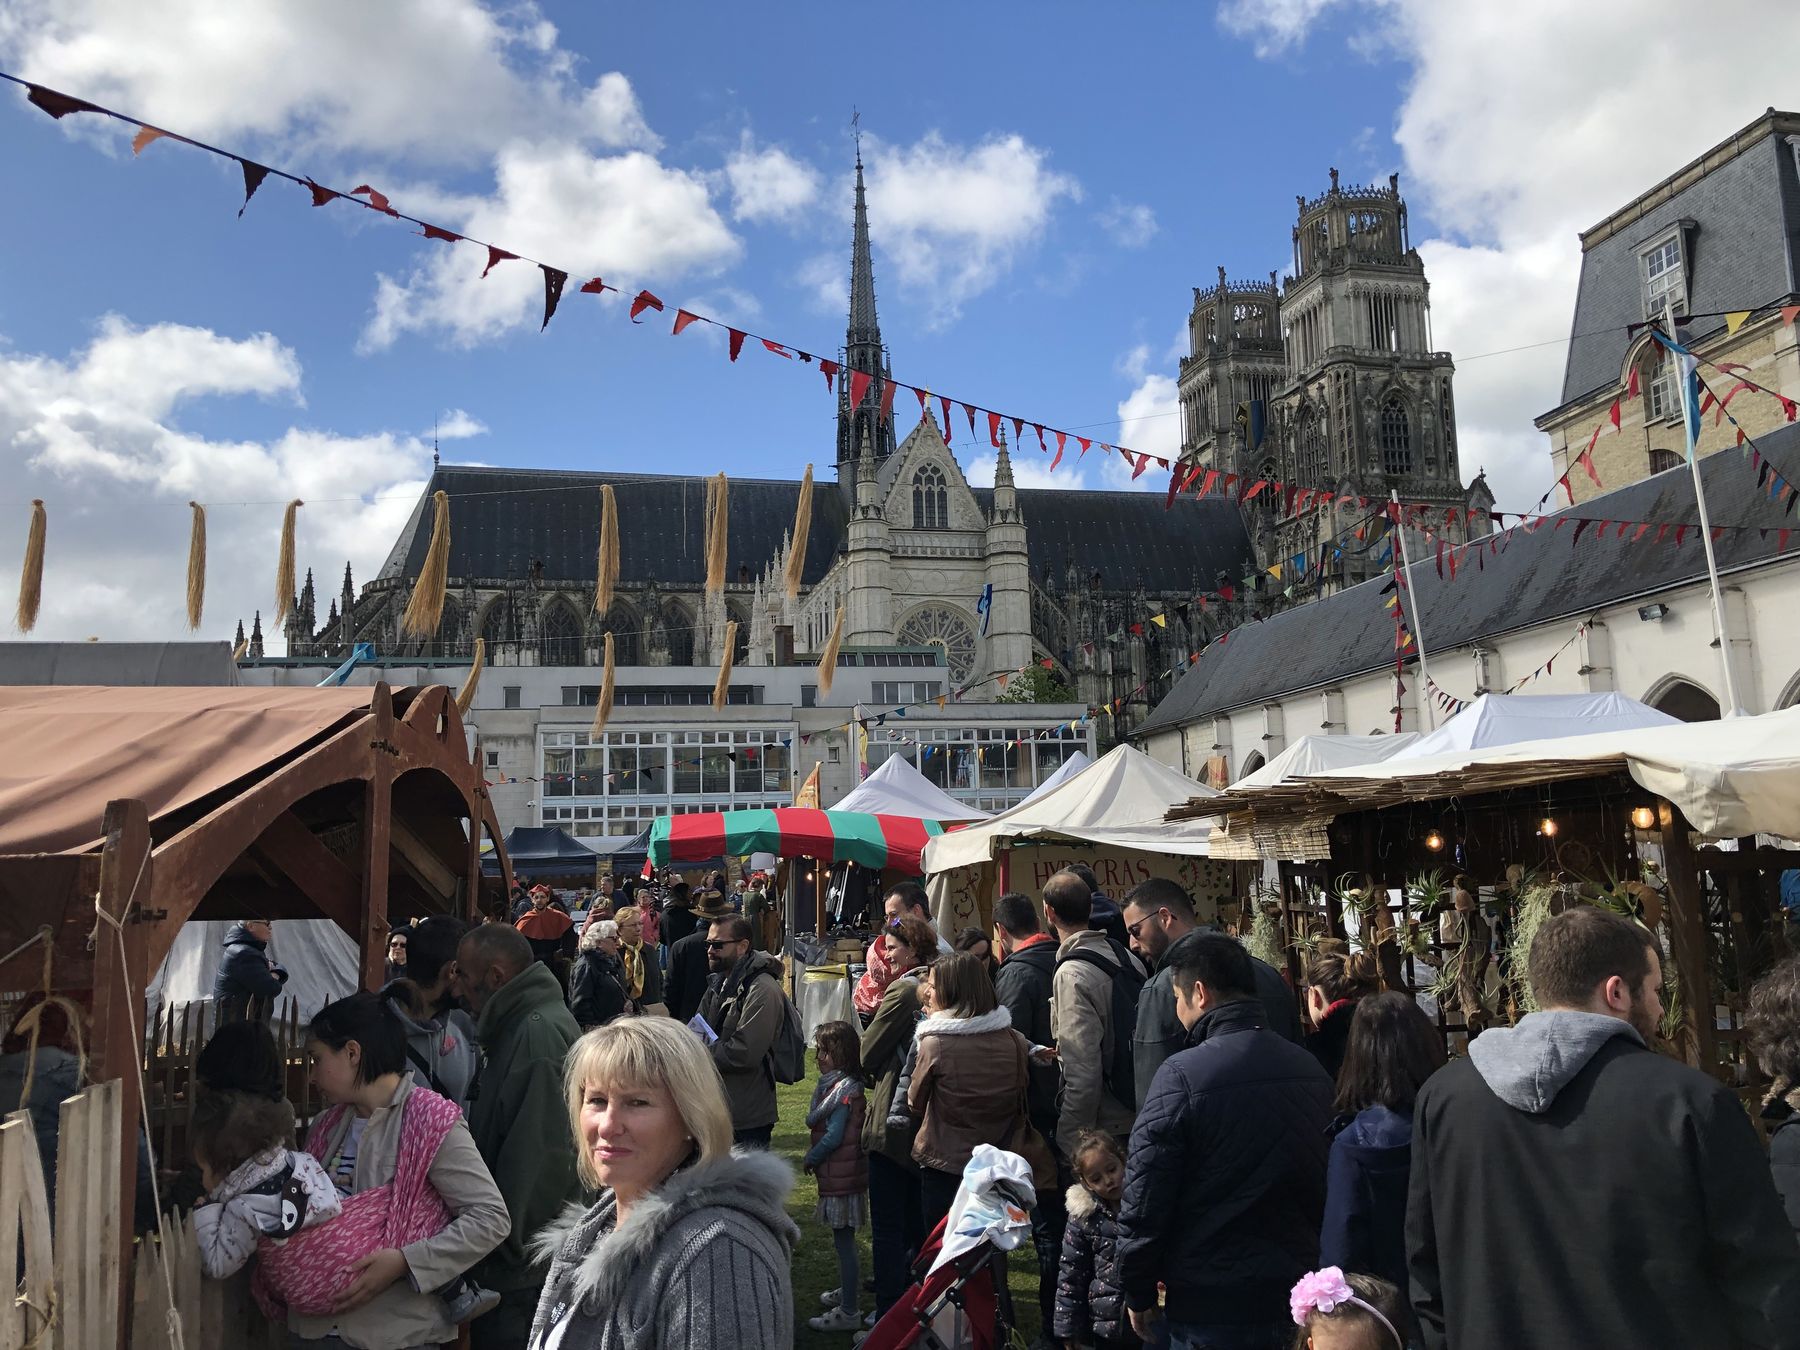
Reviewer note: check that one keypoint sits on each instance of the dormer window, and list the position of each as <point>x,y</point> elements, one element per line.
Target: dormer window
<point>1663,270</point>
<point>931,499</point>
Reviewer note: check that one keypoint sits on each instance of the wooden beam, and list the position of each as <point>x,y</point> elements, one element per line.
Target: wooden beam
<point>377,815</point>
<point>423,860</point>
<point>313,870</point>
<point>1687,934</point>
<point>119,978</point>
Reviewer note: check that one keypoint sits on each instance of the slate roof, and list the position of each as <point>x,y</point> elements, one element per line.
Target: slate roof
<point>500,519</point>
<point>117,663</point>
<point>1743,253</point>
<point>1531,579</point>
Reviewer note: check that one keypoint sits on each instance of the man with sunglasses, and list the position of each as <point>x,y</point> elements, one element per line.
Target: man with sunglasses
<point>744,1007</point>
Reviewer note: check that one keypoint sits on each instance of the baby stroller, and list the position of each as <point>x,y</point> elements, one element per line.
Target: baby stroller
<point>960,1300</point>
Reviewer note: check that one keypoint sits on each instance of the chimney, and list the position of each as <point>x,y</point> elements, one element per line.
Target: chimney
<point>784,644</point>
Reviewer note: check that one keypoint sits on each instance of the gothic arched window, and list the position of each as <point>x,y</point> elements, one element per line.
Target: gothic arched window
<point>1396,438</point>
<point>498,624</point>
<point>931,499</point>
<point>679,625</point>
<point>622,623</point>
<point>559,641</point>
<point>1309,446</point>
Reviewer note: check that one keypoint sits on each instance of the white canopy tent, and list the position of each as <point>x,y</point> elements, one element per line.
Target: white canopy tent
<point>1317,754</point>
<point>1071,766</point>
<point>320,959</point>
<point>899,789</point>
<point>1507,719</point>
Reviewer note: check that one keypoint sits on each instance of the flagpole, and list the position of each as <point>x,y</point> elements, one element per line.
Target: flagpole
<point>1418,636</point>
<point>1732,707</point>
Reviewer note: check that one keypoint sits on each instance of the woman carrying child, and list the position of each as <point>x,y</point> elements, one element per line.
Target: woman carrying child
<point>841,1164</point>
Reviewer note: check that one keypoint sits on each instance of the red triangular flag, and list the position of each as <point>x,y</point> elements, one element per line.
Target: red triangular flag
<point>1058,459</point>
<point>1639,532</point>
<point>144,137</point>
<point>1086,445</point>
<point>554,280</point>
<point>1631,386</point>
<point>887,401</point>
<point>496,254</point>
<point>1206,484</point>
<point>1614,414</point>
<point>1143,462</point>
<point>254,174</point>
<point>1042,448</point>
<point>594,285</point>
<point>944,405</point>
<point>438,232</point>
<point>57,105</point>
<point>1680,532</point>
<point>1018,431</point>
<point>684,317</point>
<point>321,195</point>
<point>923,395</point>
<point>736,339</point>
<point>643,301</point>
<point>828,369</point>
<point>994,429</point>
<point>860,380</point>
<point>379,201</point>
<point>1789,407</point>
<point>1787,314</point>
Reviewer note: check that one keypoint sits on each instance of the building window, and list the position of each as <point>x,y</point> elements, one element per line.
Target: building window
<point>560,641</point>
<point>809,696</point>
<point>1663,460</point>
<point>493,759</point>
<point>1396,439</point>
<point>1664,276</point>
<point>510,696</point>
<point>1311,449</point>
<point>931,502</point>
<point>1662,398</point>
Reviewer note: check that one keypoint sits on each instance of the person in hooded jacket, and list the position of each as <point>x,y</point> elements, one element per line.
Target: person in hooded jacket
<point>1772,1023</point>
<point>744,1006</point>
<point>1393,1049</point>
<point>248,982</point>
<point>442,1050</point>
<point>1572,1186</point>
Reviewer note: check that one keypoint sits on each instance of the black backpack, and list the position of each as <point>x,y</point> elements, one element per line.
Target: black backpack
<point>1128,982</point>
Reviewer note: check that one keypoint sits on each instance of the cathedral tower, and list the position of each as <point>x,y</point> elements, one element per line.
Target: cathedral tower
<point>863,351</point>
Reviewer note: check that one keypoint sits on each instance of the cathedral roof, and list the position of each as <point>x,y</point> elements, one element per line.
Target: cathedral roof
<point>1130,540</point>
<point>1531,579</point>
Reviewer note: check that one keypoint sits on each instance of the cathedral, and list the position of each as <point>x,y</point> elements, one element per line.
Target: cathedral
<point>1327,381</point>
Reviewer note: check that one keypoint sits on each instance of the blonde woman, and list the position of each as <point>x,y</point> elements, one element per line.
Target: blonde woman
<point>643,969</point>
<point>689,1245</point>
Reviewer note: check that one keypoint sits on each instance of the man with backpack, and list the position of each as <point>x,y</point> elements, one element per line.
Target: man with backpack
<point>1093,1013</point>
<point>749,1013</point>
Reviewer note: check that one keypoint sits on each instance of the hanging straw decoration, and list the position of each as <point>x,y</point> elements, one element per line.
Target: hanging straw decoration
<point>196,578</point>
<point>31,575</point>
<point>237,652</point>
<point>828,662</point>
<point>721,684</point>
<point>802,526</point>
<point>427,604</point>
<point>608,564</point>
<point>284,563</point>
<point>465,697</point>
<point>604,709</point>
<point>717,511</point>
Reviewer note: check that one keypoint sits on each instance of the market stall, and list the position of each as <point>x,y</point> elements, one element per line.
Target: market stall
<point>897,788</point>
<point>1109,816</point>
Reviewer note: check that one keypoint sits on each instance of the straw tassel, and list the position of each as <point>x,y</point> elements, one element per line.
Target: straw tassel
<point>427,604</point>
<point>718,502</point>
<point>196,578</point>
<point>607,579</point>
<point>604,709</point>
<point>465,697</point>
<point>31,575</point>
<point>237,652</point>
<point>828,662</point>
<point>284,563</point>
<point>723,682</point>
<point>802,526</point>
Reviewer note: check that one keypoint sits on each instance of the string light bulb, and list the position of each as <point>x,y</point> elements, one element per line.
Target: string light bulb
<point>1643,817</point>
<point>1435,842</point>
<point>1548,827</point>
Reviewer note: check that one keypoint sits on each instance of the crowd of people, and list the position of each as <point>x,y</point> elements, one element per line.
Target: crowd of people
<point>1214,1168</point>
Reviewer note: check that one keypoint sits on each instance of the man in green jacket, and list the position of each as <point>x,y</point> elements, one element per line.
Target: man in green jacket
<point>518,1114</point>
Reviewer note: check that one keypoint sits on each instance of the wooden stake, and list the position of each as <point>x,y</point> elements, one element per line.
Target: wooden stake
<point>196,574</point>
<point>828,662</point>
<point>426,606</point>
<point>802,527</point>
<point>31,575</point>
<point>284,563</point>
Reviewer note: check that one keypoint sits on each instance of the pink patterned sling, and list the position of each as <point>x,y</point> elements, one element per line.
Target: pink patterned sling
<point>308,1271</point>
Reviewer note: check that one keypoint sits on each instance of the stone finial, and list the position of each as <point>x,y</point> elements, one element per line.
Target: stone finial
<point>1334,180</point>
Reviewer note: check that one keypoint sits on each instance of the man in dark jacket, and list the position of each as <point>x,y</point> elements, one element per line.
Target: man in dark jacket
<point>1158,913</point>
<point>685,982</point>
<point>1225,1179</point>
<point>1023,984</point>
<point>744,1006</point>
<point>248,982</point>
<point>519,1116</point>
<point>678,919</point>
<point>1571,1186</point>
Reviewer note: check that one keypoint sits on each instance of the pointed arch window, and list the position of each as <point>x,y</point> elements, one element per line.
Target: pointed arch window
<point>499,625</point>
<point>931,499</point>
<point>1396,438</point>
<point>1310,449</point>
<point>622,623</point>
<point>559,643</point>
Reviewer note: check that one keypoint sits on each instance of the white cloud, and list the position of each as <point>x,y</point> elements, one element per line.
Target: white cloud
<point>952,219</point>
<point>457,425</point>
<point>1522,125</point>
<point>1131,224</point>
<point>769,184</point>
<point>825,278</point>
<point>445,80</point>
<point>96,435</point>
<point>1030,470</point>
<point>627,218</point>
<point>1148,423</point>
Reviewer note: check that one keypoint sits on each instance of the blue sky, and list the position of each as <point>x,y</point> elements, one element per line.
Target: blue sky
<point>1047,183</point>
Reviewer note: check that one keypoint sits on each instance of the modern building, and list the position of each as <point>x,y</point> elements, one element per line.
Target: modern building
<point>1718,243</point>
<point>1326,383</point>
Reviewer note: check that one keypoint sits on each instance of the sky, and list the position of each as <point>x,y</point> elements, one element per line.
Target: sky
<point>1047,183</point>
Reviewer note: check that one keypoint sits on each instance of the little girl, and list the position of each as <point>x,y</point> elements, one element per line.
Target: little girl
<point>1335,1311</point>
<point>842,1167</point>
<point>1090,1300</point>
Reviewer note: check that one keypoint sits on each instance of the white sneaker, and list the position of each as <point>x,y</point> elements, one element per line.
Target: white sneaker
<point>831,1298</point>
<point>838,1319</point>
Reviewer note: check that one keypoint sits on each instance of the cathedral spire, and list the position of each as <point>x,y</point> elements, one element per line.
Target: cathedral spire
<point>863,351</point>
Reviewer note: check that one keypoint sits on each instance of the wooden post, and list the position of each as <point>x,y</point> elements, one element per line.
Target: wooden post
<point>377,820</point>
<point>125,884</point>
<point>1687,931</point>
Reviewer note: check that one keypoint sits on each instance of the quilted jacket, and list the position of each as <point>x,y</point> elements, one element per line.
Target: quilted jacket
<point>1090,1304</point>
<point>1225,1183</point>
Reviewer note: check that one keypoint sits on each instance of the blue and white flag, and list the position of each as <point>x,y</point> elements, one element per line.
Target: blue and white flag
<point>985,606</point>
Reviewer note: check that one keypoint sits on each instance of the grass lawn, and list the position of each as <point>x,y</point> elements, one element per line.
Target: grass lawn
<point>815,1264</point>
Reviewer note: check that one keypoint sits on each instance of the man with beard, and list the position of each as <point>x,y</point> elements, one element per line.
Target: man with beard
<point>744,1007</point>
<point>1572,1186</point>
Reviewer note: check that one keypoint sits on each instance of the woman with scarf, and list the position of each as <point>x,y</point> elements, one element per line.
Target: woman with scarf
<point>1336,978</point>
<point>643,972</point>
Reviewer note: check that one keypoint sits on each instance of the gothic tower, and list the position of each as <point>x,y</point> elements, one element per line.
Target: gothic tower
<point>862,352</point>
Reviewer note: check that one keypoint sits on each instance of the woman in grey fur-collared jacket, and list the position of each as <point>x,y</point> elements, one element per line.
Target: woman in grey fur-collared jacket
<point>689,1245</point>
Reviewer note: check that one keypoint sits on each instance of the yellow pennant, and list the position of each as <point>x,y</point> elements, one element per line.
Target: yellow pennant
<point>1160,620</point>
<point>1735,320</point>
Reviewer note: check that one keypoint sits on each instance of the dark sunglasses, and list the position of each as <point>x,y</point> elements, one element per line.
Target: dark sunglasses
<point>713,944</point>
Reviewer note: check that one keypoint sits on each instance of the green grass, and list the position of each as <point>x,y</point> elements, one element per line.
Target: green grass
<point>815,1264</point>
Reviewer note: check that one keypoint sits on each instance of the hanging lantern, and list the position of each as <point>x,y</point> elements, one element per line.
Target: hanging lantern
<point>1548,827</point>
<point>1435,842</point>
<point>1643,817</point>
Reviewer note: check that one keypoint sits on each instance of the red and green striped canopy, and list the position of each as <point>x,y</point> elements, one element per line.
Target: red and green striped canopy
<point>794,832</point>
